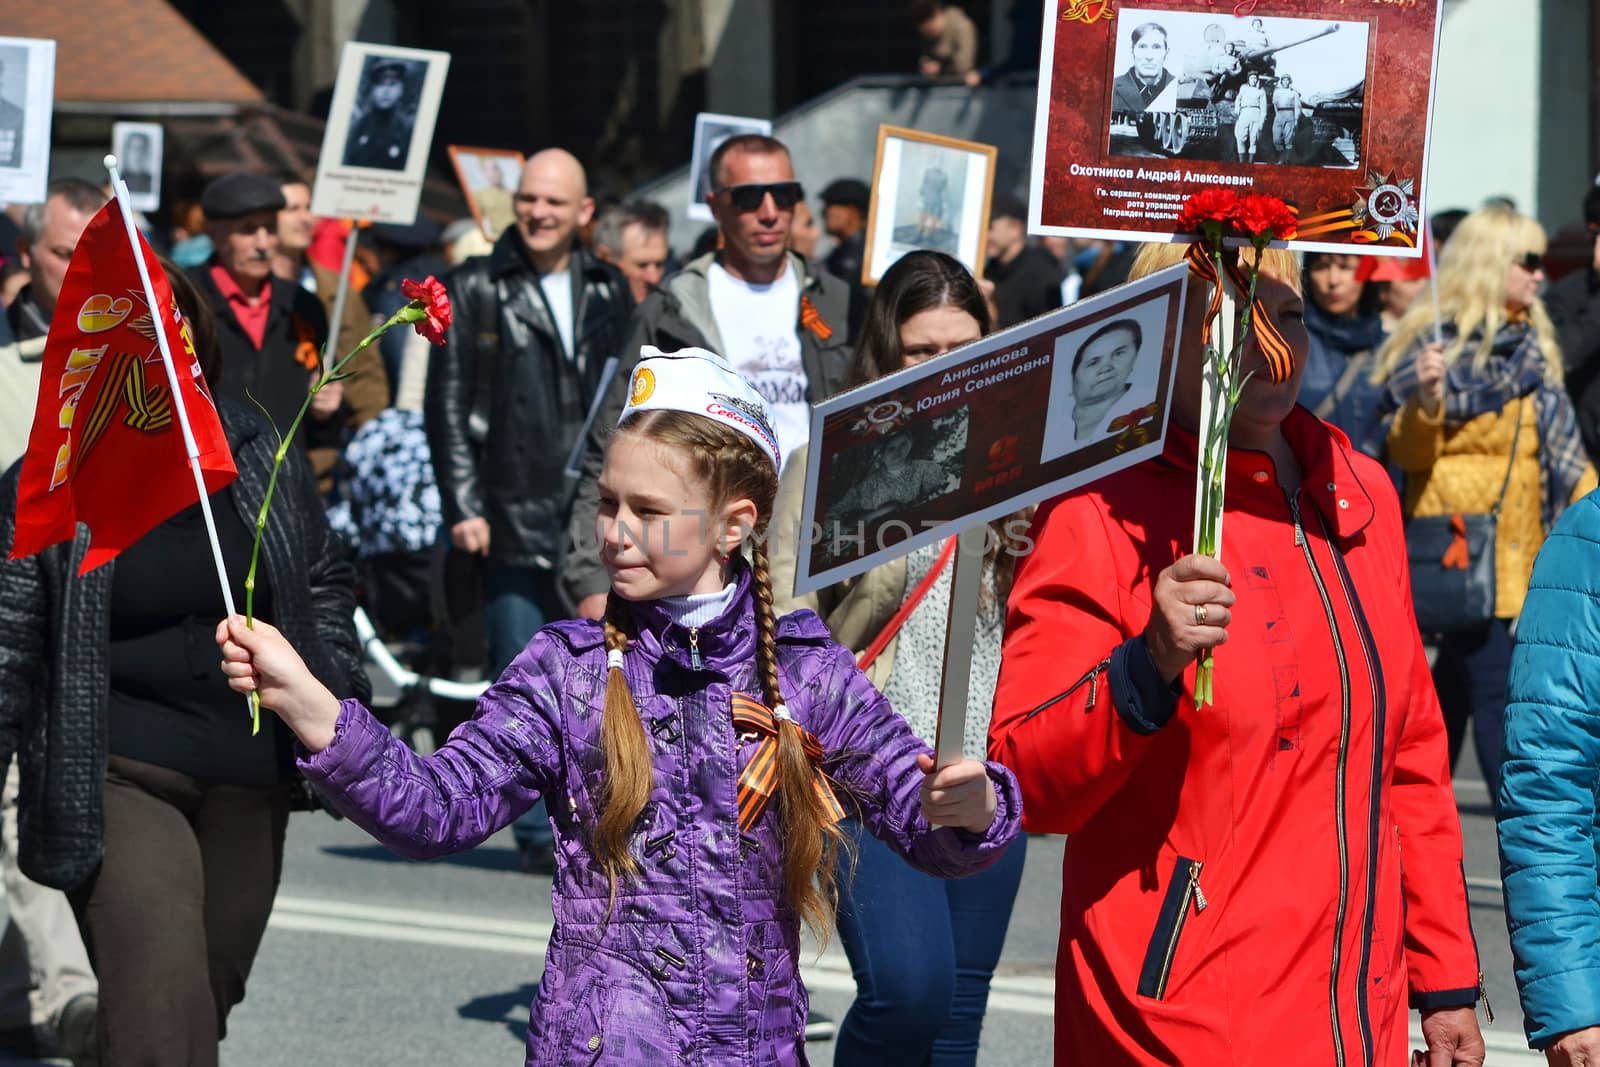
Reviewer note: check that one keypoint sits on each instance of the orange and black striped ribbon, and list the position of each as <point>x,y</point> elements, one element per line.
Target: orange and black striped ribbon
<point>760,778</point>
<point>1274,348</point>
<point>812,319</point>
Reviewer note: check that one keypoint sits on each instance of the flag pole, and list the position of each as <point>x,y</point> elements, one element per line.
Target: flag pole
<point>120,191</point>
<point>1433,281</point>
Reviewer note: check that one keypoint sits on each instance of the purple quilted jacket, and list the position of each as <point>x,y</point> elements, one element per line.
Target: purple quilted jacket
<point>699,962</point>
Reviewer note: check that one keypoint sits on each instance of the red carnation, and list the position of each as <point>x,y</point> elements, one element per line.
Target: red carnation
<point>429,297</point>
<point>1214,206</point>
<point>1264,218</point>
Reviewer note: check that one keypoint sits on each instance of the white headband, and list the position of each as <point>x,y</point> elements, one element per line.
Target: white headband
<point>700,383</point>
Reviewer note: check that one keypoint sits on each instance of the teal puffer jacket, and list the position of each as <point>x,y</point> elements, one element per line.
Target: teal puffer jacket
<point>1549,803</point>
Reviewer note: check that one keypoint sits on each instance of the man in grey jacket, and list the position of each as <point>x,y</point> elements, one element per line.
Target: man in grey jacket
<point>779,321</point>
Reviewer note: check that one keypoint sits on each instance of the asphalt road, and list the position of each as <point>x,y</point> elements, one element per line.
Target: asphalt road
<point>371,959</point>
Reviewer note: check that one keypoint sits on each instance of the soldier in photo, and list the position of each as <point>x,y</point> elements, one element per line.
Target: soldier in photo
<point>1136,88</point>
<point>1251,107</point>
<point>380,131</point>
<point>1285,117</point>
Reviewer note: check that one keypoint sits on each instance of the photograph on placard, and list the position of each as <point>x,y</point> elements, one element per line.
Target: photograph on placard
<point>980,432</point>
<point>27,89</point>
<point>928,192</point>
<point>1104,374</point>
<point>138,148</point>
<point>709,132</point>
<point>489,177</point>
<point>1216,87</point>
<point>887,472</point>
<point>1313,102</point>
<point>380,132</point>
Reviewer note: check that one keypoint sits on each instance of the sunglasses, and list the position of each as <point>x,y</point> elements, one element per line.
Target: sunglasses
<point>785,195</point>
<point>1529,261</point>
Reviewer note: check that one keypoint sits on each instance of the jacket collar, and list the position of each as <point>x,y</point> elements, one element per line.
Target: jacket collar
<point>723,643</point>
<point>1328,477</point>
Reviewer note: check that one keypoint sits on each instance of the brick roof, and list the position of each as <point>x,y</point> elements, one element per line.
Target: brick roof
<point>129,50</point>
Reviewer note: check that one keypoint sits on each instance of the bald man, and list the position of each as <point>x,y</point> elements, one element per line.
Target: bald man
<point>535,321</point>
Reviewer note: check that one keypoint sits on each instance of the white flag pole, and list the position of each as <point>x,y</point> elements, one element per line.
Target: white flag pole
<point>1433,281</point>
<point>120,190</point>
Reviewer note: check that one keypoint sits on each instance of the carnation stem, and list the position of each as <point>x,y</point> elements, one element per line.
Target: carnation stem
<point>284,442</point>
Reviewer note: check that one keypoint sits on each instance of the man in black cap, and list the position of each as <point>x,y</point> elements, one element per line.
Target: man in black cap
<point>1027,279</point>
<point>271,331</point>
<point>380,136</point>
<point>844,218</point>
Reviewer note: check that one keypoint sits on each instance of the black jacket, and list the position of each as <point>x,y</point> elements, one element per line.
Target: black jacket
<point>676,316</point>
<point>55,646</point>
<point>505,402</point>
<point>275,376</point>
<point>1574,306</point>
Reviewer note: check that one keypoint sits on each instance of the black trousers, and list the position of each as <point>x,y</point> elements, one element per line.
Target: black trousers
<point>174,915</point>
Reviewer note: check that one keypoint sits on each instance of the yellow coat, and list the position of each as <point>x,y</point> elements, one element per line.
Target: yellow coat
<point>1459,470</point>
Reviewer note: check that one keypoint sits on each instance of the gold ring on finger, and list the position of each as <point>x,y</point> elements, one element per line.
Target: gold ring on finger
<point>1199,614</point>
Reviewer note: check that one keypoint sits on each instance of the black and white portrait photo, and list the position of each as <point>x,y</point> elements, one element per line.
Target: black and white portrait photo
<point>710,131</point>
<point>27,100</point>
<point>385,116</point>
<point>1206,85</point>
<point>13,104</point>
<point>928,192</point>
<point>1101,374</point>
<point>883,477</point>
<point>376,145</point>
<point>137,146</point>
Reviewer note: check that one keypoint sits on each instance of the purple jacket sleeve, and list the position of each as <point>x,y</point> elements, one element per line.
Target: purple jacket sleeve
<point>491,770</point>
<point>872,755</point>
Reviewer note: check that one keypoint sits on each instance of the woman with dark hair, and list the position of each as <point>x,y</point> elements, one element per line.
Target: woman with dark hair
<point>145,797</point>
<point>922,950</point>
<point>1345,325</point>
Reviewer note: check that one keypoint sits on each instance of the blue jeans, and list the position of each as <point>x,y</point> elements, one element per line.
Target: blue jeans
<point>516,602</point>
<point>1471,674</point>
<point>923,950</point>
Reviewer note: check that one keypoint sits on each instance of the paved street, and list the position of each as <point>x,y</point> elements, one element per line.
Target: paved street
<point>371,959</point>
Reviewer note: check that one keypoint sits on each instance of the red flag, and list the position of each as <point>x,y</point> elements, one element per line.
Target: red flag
<point>106,447</point>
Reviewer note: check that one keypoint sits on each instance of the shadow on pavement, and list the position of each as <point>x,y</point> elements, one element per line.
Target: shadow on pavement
<point>511,1009</point>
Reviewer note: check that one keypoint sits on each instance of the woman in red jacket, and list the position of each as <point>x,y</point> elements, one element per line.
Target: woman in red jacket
<point>1232,890</point>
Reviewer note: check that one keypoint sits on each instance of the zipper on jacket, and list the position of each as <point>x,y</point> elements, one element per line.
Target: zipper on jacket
<point>1182,892</point>
<point>1091,679</point>
<point>1339,789</point>
<point>1483,994</point>
<point>694,649</point>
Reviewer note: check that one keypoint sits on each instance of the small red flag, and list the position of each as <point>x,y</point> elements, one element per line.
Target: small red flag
<point>106,448</point>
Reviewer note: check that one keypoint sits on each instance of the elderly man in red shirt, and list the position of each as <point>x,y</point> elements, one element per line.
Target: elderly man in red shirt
<point>271,331</point>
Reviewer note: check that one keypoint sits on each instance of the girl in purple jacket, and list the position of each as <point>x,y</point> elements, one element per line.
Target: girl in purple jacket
<point>696,753</point>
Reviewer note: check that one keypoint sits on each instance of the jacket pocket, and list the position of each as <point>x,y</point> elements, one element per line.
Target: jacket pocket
<point>1183,892</point>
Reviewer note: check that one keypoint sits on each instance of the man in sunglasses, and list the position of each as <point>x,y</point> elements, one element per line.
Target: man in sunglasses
<point>534,323</point>
<point>778,320</point>
<point>1574,306</point>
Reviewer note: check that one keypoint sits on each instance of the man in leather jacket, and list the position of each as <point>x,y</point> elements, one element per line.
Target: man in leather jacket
<point>535,321</point>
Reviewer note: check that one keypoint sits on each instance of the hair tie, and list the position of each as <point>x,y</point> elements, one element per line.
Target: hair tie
<point>782,712</point>
<point>614,659</point>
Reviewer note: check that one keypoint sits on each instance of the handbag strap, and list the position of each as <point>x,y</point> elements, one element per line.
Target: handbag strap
<point>881,642</point>
<point>1516,436</point>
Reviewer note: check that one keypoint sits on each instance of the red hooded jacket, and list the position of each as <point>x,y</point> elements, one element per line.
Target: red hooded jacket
<point>1233,892</point>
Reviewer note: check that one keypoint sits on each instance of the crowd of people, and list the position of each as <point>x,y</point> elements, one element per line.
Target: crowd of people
<point>510,496</point>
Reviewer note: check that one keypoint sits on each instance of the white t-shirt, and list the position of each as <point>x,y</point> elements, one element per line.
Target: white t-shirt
<point>757,323</point>
<point>557,287</point>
